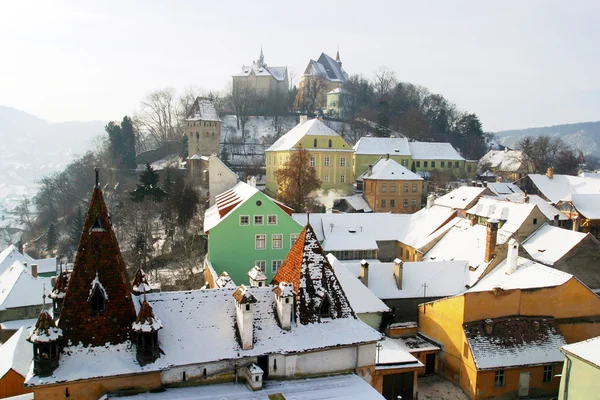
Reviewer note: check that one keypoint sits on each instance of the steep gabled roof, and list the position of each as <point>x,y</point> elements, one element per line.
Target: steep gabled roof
<point>203,109</point>
<point>311,127</point>
<point>388,169</point>
<point>314,280</point>
<point>460,198</point>
<point>18,288</point>
<point>559,187</point>
<point>16,354</point>
<point>550,243</point>
<point>333,69</point>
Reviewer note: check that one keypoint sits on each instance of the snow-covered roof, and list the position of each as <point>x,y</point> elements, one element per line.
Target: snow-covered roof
<point>261,69</point>
<point>514,214</point>
<point>224,281</point>
<point>443,278</point>
<point>279,73</point>
<point>549,243</point>
<point>546,208</point>
<point>502,189</point>
<point>311,127</point>
<point>19,289</point>
<point>460,198</point>
<point>528,275</point>
<point>395,352</point>
<point>328,68</point>
<point>15,325</point>
<point>11,254</point>
<point>422,224</point>
<point>588,205</point>
<point>338,387</point>
<point>362,300</point>
<point>433,151</point>
<point>358,202</point>
<point>257,274</point>
<point>561,186</point>
<point>16,354</point>
<point>203,109</point>
<point>588,350</point>
<point>370,145</point>
<point>45,330</point>
<point>503,160</point>
<point>388,169</point>
<point>515,341</point>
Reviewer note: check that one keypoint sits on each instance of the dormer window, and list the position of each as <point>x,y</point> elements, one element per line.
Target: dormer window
<point>329,142</point>
<point>325,307</point>
<point>315,143</point>
<point>98,297</point>
<point>97,226</point>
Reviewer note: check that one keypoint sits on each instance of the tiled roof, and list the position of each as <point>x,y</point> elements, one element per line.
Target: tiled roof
<point>146,321</point>
<point>203,109</point>
<point>45,330</point>
<point>140,282</point>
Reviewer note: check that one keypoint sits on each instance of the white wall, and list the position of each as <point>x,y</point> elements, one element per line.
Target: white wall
<point>214,370</point>
<point>220,178</point>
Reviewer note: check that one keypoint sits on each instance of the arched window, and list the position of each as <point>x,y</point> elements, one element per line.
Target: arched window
<point>97,302</point>
<point>329,142</point>
<point>315,143</point>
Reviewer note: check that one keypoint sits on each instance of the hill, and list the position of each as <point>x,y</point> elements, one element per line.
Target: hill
<point>584,136</point>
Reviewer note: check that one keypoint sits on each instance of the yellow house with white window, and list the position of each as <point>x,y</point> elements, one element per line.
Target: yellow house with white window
<point>330,155</point>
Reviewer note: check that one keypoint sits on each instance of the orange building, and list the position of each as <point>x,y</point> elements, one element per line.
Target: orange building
<point>502,337</point>
<point>390,187</point>
<point>15,359</point>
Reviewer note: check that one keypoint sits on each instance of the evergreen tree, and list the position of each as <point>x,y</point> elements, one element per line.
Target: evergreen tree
<point>148,188</point>
<point>383,119</point>
<point>122,143</point>
<point>52,237</point>
<point>413,168</point>
<point>184,147</point>
<point>76,226</point>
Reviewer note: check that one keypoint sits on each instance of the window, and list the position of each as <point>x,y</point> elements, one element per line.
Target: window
<point>97,301</point>
<point>414,187</point>
<point>280,160</point>
<point>329,142</point>
<point>535,221</point>
<point>326,179</point>
<point>260,241</point>
<point>406,188</point>
<point>315,143</point>
<point>405,163</point>
<point>393,187</point>
<point>342,161</point>
<point>293,238</point>
<point>342,178</point>
<point>258,220</point>
<point>424,164</point>
<point>272,220</point>
<point>456,164</point>
<point>383,205</point>
<point>325,308</point>
<point>326,162</point>
<point>405,204</point>
<point>244,220</point>
<point>414,203</point>
<point>442,164</point>
<point>433,164</point>
<point>383,188</point>
<point>277,241</point>
<point>262,264</point>
<point>548,372</point>
<point>312,161</point>
<point>392,203</point>
<point>418,164</point>
<point>197,135</point>
<point>449,164</point>
<point>499,379</point>
<point>275,264</point>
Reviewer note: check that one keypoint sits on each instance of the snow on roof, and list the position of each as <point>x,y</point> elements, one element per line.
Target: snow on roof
<point>358,202</point>
<point>45,330</point>
<point>503,160</point>
<point>388,169</point>
<point>362,300</point>
<point>588,350</point>
<point>279,73</point>
<point>549,243</point>
<point>460,198</point>
<point>502,189</point>
<point>443,278</point>
<point>97,286</point>
<point>336,90</point>
<point>333,70</point>
<point>588,205</point>
<point>203,109</point>
<point>515,341</point>
<point>16,354</point>
<point>225,281</point>
<point>9,256</point>
<point>338,387</point>
<point>529,275</point>
<point>514,214</point>
<point>561,186</point>
<point>19,289</point>
<point>15,325</point>
<point>418,343</point>
<point>422,224</point>
<point>394,351</point>
<point>370,145</point>
<point>433,151</point>
<point>546,208</point>
<point>257,274</point>
<point>311,127</point>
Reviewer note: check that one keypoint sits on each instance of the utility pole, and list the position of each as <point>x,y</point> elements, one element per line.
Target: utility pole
<point>424,298</point>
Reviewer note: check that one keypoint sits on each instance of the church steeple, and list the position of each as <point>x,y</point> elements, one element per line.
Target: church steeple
<point>97,306</point>
<point>261,58</point>
<point>337,56</point>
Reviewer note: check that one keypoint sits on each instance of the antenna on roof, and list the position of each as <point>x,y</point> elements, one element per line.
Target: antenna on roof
<point>97,171</point>
<point>44,296</point>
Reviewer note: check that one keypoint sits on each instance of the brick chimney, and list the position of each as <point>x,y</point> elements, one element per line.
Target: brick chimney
<point>244,306</point>
<point>491,236</point>
<point>398,272</point>
<point>34,270</point>
<point>364,272</point>
<point>370,170</point>
<point>512,259</point>
<point>550,172</point>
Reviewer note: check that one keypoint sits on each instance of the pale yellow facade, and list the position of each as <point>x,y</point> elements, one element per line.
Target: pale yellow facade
<point>580,380</point>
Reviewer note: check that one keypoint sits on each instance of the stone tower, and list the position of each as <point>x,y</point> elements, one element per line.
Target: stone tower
<point>203,129</point>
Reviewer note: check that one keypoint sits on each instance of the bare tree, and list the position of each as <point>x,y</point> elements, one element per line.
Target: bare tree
<point>384,81</point>
<point>241,98</point>
<point>311,93</point>
<point>160,116</point>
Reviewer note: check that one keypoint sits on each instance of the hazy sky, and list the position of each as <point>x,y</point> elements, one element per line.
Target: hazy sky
<point>516,64</point>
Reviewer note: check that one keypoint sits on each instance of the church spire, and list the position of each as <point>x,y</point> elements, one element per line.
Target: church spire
<point>261,58</point>
<point>337,56</point>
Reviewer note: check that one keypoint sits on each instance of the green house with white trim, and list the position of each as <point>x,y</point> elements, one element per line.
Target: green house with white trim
<point>245,228</point>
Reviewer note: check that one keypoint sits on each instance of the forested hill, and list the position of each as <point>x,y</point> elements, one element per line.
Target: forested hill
<point>584,136</point>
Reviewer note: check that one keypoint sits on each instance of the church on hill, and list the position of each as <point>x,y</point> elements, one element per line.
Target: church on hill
<point>320,78</point>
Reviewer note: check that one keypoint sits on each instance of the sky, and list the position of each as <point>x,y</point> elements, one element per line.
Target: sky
<point>516,64</point>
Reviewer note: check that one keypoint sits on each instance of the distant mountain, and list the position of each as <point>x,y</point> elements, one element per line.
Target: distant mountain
<point>584,136</point>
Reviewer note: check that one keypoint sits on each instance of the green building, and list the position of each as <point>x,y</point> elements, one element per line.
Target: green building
<point>245,228</point>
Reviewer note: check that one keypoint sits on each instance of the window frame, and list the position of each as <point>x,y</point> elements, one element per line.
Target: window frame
<point>293,239</point>
<point>548,374</point>
<point>342,161</point>
<point>261,264</point>
<point>269,219</point>
<point>405,203</point>
<point>383,203</point>
<point>499,378</point>
<point>244,216</point>
<point>414,188</point>
<point>342,178</point>
<point>326,161</point>
<point>262,220</point>
<point>392,203</point>
<point>273,268</point>
<point>280,240</point>
<point>313,161</point>
<point>383,187</point>
<point>263,239</point>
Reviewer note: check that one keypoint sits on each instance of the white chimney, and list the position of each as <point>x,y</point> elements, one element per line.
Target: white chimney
<point>364,272</point>
<point>244,304</point>
<point>512,259</point>
<point>303,119</point>
<point>430,200</point>
<point>556,219</point>
<point>398,271</point>
<point>251,180</point>
<point>257,277</point>
<point>34,270</point>
<point>284,300</point>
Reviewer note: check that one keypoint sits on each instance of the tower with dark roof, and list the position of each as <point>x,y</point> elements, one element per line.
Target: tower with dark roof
<point>97,306</point>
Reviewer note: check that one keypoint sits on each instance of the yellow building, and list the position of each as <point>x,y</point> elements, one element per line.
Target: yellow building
<point>264,81</point>
<point>330,155</point>
<point>581,370</point>
<point>502,337</point>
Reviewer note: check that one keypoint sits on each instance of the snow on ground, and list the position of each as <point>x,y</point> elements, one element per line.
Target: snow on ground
<point>438,388</point>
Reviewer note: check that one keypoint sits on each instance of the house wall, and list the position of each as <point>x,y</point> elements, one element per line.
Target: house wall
<point>203,137</point>
<point>386,250</point>
<point>371,319</point>
<point>374,193</point>
<point>582,261</point>
<point>510,390</point>
<point>231,247</point>
<point>362,161</point>
<point>220,178</point>
<point>11,384</point>
<point>17,313</point>
<point>407,310</point>
<point>212,372</point>
<point>580,380</point>
<point>92,389</point>
<point>379,374</point>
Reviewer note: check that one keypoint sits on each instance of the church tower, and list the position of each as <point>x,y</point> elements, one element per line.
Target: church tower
<point>97,306</point>
<point>203,130</point>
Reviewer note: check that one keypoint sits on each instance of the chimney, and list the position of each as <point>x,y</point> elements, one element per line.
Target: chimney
<point>398,271</point>
<point>525,198</point>
<point>370,170</point>
<point>251,181</point>
<point>430,200</point>
<point>506,149</point>
<point>576,223</point>
<point>34,271</point>
<point>329,210</point>
<point>489,326</point>
<point>284,300</point>
<point>536,326</point>
<point>556,219</point>
<point>387,156</point>
<point>244,302</point>
<point>473,220</point>
<point>303,119</point>
<point>257,277</point>
<point>550,172</point>
<point>485,184</point>
<point>491,236</point>
<point>364,272</point>
<point>498,179</point>
<point>512,259</point>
